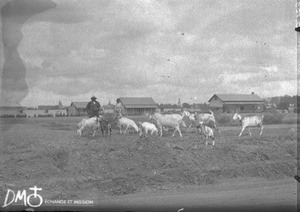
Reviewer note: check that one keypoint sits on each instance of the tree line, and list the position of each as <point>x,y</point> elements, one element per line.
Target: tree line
<point>281,102</point>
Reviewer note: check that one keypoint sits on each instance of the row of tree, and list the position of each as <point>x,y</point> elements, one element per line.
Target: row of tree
<point>201,106</point>
<point>281,102</point>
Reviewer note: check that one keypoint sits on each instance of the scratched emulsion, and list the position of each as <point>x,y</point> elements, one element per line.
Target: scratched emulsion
<point>14,14</point>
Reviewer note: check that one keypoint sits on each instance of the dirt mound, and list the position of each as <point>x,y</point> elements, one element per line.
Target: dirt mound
<point>152,163</point>
<point>146,163</point>
<point>65,164</point>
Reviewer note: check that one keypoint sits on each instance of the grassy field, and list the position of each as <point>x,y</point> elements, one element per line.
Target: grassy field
<point>47,152</point>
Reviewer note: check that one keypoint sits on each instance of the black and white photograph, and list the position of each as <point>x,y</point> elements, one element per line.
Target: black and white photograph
<point>149,105</point>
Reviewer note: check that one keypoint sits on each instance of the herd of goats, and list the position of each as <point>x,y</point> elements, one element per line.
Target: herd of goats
<point>165,121</point>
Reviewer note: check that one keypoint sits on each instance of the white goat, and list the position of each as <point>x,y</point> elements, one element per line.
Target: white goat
<point>252,121</point>
<point>147,126</point>
<point>208,133</point>
<point>179,118</point>
<point>191,118</point>
<point>166,120</point>
<point>89,123</point>
<point>126,123</point>
<point>207,119</point>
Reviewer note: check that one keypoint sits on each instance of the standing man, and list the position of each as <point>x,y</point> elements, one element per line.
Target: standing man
<point>93,107</point>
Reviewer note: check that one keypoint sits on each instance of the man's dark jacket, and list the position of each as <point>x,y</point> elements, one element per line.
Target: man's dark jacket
<point>93,108</point>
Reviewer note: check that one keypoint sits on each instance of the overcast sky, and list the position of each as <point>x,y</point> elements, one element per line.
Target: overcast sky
<point>188,49</point>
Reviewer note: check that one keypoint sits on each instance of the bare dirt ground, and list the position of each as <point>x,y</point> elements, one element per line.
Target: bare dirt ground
<point>46,152</point>
<point>238,194</point>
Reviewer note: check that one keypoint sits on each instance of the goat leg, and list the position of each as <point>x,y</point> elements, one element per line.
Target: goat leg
<point>241,131</point>
<point>249,131</point>
<point>261,129</point>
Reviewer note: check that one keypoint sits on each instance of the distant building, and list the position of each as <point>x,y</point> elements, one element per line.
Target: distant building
<point>109,108</point>
<point>194,110</point>
<point>77,109</point>
<point>179,103</point>
<point>138,105</point>
<point>34,112</point>
<point>171,108</point>
<point>52,110</point>
<point>11,111</point>
<point>244,103</point>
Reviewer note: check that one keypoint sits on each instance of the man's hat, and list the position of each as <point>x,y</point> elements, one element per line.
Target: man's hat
<point>93,97</point>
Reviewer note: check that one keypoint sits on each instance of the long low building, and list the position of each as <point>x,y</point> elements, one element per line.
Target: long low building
<point>138,105</point>
<point>244,103</point>
<point>30,113</point>
<point>11,111</point>
<point>40,111</point>
<point>53,110</point>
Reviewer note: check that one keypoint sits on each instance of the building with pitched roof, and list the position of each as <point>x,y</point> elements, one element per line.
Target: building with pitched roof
<point>138,105</point>
<point>244,103</point>
<point>77,109</point>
